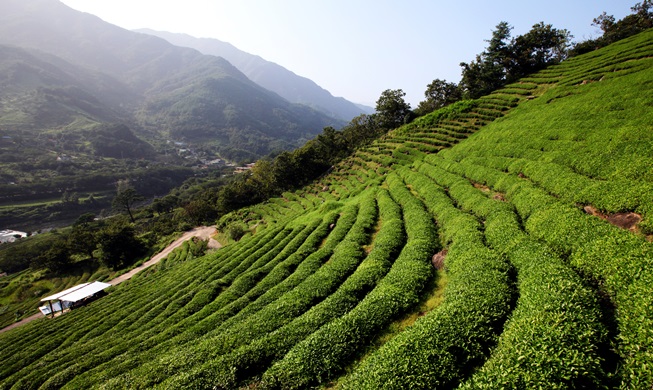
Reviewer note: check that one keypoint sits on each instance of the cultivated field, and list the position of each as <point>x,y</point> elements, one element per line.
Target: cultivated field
<point>503,242</point>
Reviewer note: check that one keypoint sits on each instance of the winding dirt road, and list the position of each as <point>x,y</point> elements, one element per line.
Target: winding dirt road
<point>203,232</point>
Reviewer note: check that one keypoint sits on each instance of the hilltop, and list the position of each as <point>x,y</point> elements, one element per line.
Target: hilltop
<point>477,246</point>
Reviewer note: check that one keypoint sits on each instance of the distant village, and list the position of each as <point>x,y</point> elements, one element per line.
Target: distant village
<point>187,152</point>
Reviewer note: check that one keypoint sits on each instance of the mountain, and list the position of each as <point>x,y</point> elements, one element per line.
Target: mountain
<point>501,242</point>
<point>164,78</point>
<point>41,91</point>
<point>269,75</point>
<point>80,97</point>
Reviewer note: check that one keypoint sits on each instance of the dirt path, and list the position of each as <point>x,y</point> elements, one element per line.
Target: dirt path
<point>203,232</point>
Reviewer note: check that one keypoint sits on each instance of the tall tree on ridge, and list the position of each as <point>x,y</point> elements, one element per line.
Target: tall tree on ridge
<point>392,109</point>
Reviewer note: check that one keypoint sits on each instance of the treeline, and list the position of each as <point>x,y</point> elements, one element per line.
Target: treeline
<point>113,243</point>
<point>507,59</point>
<point>614,30</point>
<point>289,170</point>
<point>137,229</point>
<point>149,181</point>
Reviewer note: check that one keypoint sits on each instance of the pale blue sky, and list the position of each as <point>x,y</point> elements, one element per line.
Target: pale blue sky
<point>357,48</point>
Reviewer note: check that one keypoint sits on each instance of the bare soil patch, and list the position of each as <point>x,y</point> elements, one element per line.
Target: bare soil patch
<point>438,259</point>
<point>495,195</point>
<point>627,220</point>
<point>482,187</point>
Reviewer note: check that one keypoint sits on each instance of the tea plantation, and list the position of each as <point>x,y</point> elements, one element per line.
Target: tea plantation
<point>503,242</point>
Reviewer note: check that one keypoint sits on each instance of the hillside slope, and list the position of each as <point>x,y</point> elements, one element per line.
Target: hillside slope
<point>501,242</point>
<point>269,75</point>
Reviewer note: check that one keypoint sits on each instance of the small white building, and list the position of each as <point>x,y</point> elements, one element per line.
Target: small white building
<point>73,297</point>
<point>11,235</point>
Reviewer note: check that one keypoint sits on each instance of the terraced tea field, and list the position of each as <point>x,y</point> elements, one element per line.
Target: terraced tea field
<point>503,242</point>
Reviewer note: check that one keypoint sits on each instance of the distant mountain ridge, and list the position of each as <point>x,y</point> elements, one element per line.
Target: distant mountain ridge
<point>156,81</point>
<point>269,75</point>
<point>79,90</point>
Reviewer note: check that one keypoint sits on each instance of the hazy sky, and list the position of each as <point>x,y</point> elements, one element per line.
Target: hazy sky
<point>357,48</point>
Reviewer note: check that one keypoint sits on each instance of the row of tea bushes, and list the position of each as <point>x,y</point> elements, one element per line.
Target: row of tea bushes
<point>441,347</point>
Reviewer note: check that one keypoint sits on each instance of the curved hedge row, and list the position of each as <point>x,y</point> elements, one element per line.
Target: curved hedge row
<point>254,358</point>
<point>166,359</point>
<point>296,313</point>
<point>180,358</point>
<point>442,347</point>
<point>186,304</point>
<point>555,337</point>
<point>75,341</point>
<point>327,351</point>
<point>589,241</point>
<point>297,249</point>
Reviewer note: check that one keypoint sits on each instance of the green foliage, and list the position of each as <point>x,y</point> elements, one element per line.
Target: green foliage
<point>450,111</point>
<point>165,204</point>
<point>56,258</point>
<point>291,170</point>
<point>505,61</point>
<point>439,93</point>
<point>612,31</point>
<point>236,231</point>
<point>539,293</point>
<point>550,293</point>
<point>118,245</point>
<point>477,300</point>
<point>325,351</point>
<point>392,109</point>
<point>126,197</point>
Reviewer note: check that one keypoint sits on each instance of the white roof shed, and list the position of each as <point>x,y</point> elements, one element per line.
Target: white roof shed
<point>84,292</point>
<point>64,292</point>
<point>70,296</point>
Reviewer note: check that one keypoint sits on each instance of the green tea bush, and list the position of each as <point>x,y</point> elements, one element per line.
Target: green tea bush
<point>327,351</point>
<point>278,317</point>
<point>441,347</point>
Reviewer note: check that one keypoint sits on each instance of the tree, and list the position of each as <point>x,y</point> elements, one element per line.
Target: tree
<point>391,108</point>
<point>498,49</point>
<point>82,239</point>
<point>56,258</point>
<point>360,131</point>
<point>126,197</point>
<point>542,46</point>
<point>70,197</point>
<point>613,30</point>
<point>198,211</point>
<point>641,19</point>
<point>439,93</point>
<point>118,245</point>
<point>236,230</point>
<point>165,205</point>
<point>487,73</point>
<point>505,60</point>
